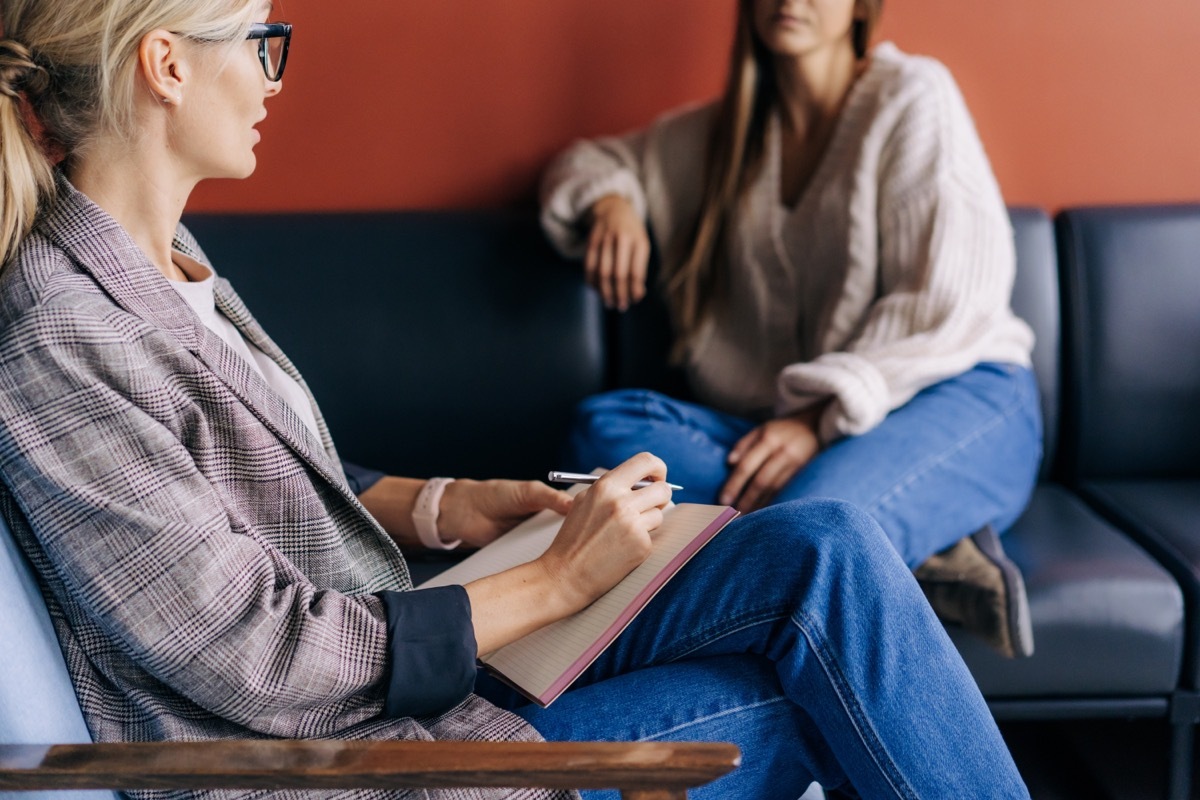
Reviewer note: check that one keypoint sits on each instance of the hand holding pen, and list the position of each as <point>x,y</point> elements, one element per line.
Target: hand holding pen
<point>607,532</point>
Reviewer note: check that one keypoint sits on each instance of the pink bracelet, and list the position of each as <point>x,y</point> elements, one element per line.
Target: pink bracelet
<point>425,514</point>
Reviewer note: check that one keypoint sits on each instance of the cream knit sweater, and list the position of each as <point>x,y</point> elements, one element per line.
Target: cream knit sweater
<point>892,272</point>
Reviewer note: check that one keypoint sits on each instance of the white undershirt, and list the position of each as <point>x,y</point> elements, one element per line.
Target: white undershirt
<point>198,292</point>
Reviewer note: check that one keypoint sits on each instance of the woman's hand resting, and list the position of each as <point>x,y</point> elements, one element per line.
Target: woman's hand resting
<point>477,512</point>
<point>618,252</point>
<point>769,456</point>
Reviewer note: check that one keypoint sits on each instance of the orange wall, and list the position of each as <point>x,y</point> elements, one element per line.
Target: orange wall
<point>444,104</point>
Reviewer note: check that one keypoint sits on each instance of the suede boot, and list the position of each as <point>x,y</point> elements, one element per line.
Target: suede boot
<point>973,584</point>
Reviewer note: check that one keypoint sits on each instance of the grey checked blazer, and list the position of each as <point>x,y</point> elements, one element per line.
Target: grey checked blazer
<point>208,570</point>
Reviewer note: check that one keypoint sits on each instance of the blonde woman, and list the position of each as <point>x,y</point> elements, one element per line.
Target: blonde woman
<point>213,575</point>
<point>837,261</point>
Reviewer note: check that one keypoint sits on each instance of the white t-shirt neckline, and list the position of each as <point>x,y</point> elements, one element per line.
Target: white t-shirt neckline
<point>199,292</point>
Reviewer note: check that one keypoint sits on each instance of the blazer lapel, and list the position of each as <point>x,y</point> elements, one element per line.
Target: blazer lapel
<point>294,430</point>
<point>103,249</point>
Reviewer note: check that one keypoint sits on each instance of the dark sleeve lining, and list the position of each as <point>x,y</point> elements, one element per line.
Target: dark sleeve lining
<point>432,645</point>
<point>360,478</point>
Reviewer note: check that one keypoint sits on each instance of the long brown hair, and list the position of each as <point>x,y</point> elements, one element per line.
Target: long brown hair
<point>735,155</point>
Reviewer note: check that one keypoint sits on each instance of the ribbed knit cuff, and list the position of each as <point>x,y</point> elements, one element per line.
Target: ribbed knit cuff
<point>566,211</point>
<point>858,391</point>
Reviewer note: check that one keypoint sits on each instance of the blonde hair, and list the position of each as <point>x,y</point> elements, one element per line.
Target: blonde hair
<point>693,279</point>
<point>67,75</point>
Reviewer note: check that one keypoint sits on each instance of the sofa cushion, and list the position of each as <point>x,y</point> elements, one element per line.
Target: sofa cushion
<point>1165,514</point>
<point>1107,619</point>
<point>452,343</point>
<point>37,701</point>
<point>1132,334</point>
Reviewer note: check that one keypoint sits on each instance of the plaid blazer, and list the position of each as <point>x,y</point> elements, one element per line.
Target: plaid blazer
<point>208,570</point>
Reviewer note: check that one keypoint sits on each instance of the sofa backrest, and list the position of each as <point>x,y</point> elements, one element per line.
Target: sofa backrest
<point>1132,341</point>
<point>1035,299</point>
<point>489,338</point>
<point>37,702</point>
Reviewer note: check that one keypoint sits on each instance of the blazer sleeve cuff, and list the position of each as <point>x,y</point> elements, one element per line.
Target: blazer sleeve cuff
<point>432,646</point>
<point>360,478</point>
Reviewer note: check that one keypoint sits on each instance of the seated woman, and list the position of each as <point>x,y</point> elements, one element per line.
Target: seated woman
<point>213,575</point>
<point>837,262</point>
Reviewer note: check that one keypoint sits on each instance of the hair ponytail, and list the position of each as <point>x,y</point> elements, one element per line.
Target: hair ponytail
<point>26,175</point>
<point>68,76</point>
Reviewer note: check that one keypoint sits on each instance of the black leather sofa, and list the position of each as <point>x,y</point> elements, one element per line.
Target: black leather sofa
<point>1132,437</point>
<point>456,343</point>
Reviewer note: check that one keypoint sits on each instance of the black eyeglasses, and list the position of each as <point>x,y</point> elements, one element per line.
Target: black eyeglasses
<point>273,41</point>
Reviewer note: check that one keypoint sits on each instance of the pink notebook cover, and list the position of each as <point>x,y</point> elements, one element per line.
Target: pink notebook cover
<point>633,609</point>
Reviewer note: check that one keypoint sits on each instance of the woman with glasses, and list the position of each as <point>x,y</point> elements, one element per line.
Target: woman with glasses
<point>837,262</point>
<point>213,575</point>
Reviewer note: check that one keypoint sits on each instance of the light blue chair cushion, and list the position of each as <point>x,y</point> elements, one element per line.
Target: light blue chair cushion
<point>37,700</point>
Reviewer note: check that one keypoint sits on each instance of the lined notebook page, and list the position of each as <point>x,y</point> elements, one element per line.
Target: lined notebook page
<point>544,663</point>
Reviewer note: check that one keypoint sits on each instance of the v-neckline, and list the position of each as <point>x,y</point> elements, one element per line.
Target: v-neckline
<point>835,143</point>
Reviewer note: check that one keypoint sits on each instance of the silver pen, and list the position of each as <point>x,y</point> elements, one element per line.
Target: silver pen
<point>583,477</point>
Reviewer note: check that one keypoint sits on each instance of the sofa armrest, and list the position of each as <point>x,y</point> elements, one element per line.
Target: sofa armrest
<point>641,770</point>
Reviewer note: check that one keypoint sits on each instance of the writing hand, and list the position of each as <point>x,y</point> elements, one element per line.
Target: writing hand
<point>605,536</point>
<point>607,532</point>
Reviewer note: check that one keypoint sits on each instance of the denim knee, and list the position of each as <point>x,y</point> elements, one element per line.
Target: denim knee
<point>833,562</point>
<point>818,530</point>
<point>822,513</point>
<point>606,429</point>
<point>622,401</point>
<point>592,413</point>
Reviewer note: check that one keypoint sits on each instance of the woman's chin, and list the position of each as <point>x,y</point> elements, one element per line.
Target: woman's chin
<point>249,166</point>
<point>237,171</point>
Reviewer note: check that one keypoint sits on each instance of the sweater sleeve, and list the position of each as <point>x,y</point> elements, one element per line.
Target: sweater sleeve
<point>581,175</point>
<point>659,170</point>
<point>946,266</point>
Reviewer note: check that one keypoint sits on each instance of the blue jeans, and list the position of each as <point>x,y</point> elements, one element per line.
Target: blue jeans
<point>961,454</point>
<point>800,635</point>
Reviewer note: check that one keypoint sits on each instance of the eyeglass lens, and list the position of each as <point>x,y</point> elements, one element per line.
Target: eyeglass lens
<point>270,50</point>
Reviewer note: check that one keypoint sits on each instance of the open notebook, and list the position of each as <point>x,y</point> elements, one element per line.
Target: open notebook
<point>544,663</point>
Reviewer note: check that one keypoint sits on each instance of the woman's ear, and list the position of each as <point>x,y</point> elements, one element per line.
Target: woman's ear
<point>161,64</point>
